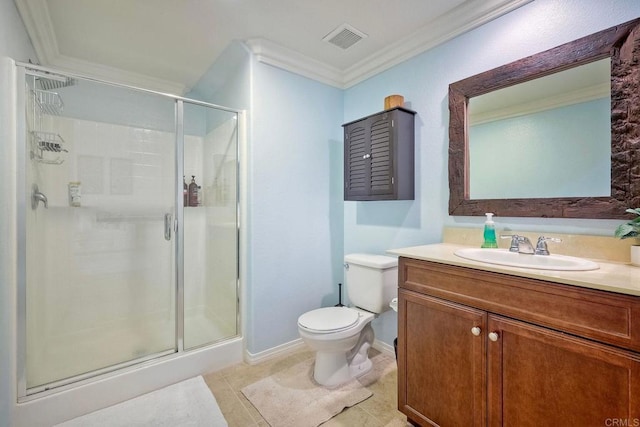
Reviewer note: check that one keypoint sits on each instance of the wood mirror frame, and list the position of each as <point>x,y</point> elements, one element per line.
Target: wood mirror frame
<point>622,44</point>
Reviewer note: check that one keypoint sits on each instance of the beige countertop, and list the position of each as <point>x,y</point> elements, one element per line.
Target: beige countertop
<point>611,276</point>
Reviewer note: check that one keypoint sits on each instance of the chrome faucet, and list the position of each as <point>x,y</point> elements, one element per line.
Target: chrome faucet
<point>36,197</point>
<point>520,244</point>
<point>541,246</point>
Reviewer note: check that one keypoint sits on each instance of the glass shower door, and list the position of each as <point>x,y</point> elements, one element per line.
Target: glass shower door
<point>99,191</point>
<point>210,225</point>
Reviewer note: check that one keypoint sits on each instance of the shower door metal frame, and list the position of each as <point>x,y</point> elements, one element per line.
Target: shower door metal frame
<point>179,233</point>
<point>24,394</point>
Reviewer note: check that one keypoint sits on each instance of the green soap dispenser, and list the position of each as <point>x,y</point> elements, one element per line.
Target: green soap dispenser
<point>490,240</point>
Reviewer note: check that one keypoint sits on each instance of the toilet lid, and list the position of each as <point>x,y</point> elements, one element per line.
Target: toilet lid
<point>328,319</point>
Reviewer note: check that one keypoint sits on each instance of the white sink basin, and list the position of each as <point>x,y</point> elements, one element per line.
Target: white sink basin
<point>514,259</point>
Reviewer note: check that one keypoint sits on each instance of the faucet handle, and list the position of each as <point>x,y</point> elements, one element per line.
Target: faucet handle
<point>541,246</point>
<point>513,246</point>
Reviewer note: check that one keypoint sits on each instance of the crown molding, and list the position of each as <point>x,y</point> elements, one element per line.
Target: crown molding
<point>274,54</point>
<point>37,21</point>
<point>466,17</point>
<point>35,15</point>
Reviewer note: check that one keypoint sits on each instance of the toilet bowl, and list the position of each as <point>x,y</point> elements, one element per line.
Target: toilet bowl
<point>332,332</point>
<point>342,336</point>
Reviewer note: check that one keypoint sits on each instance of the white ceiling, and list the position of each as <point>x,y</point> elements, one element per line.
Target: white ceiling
<point>169,44</point>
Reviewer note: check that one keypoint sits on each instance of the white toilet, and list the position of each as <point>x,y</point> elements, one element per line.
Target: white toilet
<point>341,336</point>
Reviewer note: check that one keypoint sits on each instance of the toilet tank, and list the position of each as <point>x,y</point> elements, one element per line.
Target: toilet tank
<point>371,280</point>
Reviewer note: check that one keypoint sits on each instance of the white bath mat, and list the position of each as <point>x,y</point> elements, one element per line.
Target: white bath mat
<point>292,398</point>
<point>188,403</point>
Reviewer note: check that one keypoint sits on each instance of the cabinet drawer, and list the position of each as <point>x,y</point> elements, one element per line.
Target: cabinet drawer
<point>602,316</point>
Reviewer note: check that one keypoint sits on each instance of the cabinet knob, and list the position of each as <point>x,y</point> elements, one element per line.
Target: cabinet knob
<point>366,156</point>
<point>476,331</point>
<point>493,336</point>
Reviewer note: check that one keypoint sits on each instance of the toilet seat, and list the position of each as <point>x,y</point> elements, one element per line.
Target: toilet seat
<point>328,320</point>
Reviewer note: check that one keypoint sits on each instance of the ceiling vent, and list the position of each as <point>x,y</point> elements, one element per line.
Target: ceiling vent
<point>344,36</point>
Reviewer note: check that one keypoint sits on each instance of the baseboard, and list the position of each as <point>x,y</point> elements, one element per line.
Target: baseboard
<point>281,350</point>
<point>292,346</point>
<point>384,348</point>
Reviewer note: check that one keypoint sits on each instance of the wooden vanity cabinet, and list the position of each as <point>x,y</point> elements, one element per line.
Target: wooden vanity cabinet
<point>478,348</point>
<point>379,156</point>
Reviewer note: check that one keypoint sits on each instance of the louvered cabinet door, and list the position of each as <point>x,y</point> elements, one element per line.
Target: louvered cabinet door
<point>357,165</point>
<point>380,159</point>
<point>379,156</point>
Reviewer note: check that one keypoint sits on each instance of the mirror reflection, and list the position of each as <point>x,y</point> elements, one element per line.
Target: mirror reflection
<point>547,137</point>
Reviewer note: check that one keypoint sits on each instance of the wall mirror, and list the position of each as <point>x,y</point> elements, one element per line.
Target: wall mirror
<point>556,134</point>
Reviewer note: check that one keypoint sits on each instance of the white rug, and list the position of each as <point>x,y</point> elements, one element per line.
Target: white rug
<point>292,398</point>
<point>188,403</point>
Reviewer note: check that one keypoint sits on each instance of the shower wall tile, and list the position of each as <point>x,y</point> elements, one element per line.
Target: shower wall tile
<point>121,173</point>
<point>91,174</point>
<point>193,158</point>
<point>109,260</point>
<point>137,163</point>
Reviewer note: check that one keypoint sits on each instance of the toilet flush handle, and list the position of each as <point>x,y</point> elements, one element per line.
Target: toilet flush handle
<point>346,265</point>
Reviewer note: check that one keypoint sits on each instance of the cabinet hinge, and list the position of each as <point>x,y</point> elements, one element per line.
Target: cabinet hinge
<point>392,123</point>
<point>392,181</point>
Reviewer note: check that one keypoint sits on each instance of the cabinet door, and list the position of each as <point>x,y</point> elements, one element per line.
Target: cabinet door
<point>381,155</point>
<point>540,377</point>
<point>357,170</point>
<point>441,362</point>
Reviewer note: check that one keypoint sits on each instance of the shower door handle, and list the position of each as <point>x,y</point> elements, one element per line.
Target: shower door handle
<point>168,223</point>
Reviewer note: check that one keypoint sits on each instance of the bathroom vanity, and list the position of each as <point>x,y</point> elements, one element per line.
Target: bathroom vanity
<point>482,344</point>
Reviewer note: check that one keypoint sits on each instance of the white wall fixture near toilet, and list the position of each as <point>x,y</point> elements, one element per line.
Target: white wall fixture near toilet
<point>342,336</point>
<point>635,255</point>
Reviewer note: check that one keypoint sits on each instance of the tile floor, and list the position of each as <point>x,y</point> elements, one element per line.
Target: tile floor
<point>377,411</point>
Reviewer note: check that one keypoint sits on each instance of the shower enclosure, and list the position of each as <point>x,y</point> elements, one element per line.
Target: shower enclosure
<point>117,265</point>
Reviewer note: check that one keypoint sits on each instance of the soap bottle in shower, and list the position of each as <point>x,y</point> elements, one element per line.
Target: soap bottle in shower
<point>185,191</point>
<point>193,192</point>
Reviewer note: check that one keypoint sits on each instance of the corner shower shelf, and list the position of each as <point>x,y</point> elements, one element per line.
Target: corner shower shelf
<point>48,102</point>
<point>43,143</point>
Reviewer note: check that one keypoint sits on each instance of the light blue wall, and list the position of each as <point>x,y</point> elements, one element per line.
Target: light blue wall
<point>228,81</point>
<point>295,203</point>
<point>14,40</point>
<point>424,81</point>
<point>105,103</point>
